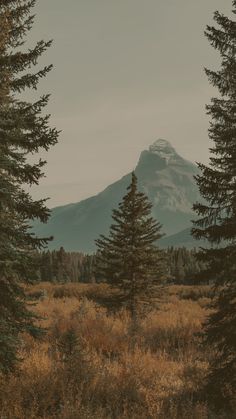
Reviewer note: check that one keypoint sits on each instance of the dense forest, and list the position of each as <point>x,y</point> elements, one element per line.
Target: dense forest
<point>61,266</point>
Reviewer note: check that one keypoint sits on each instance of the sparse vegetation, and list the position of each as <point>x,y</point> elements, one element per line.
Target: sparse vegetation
<point>87,366</point>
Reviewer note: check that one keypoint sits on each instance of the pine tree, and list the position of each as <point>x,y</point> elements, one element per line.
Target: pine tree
<point>24,130</point>
<point>217,216</point>
<point>46,266</point>
<point>68,345</point>
<point>129,258</point>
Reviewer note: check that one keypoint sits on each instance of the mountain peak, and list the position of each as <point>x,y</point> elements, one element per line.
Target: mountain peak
<point>160,142</point>
<point>164,176</point>
<point>163,149</point>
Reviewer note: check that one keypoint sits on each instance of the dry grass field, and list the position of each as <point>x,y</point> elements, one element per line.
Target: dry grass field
<point>90,363</point>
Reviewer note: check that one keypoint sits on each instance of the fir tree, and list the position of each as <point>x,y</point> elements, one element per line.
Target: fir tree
<point>68,345</point>
<point>129,258</point>
<point>23,131</point>
<point>217,216</point>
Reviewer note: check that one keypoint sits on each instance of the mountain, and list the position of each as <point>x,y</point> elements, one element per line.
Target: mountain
<point>163,175</point>
<point>182,239</point>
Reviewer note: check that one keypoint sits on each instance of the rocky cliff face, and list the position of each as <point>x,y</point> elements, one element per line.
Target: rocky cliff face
<point>163,175</point>
<point>168,180</point>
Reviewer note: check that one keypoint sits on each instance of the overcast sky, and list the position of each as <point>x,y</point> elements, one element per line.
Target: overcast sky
<point>126,72</point>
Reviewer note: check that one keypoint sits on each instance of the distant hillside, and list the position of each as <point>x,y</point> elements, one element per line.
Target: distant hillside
<point>167,179</point>
<point>181,239</point>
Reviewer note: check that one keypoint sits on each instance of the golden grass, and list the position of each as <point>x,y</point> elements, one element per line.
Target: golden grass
<point>112,373</point>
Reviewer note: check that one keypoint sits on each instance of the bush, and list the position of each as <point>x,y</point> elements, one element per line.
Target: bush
<point>88,366</point>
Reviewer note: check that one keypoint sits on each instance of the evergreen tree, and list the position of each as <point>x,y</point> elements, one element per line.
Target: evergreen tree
<point>129,258</point>
<point>217,216</point>
<point>23,131</point>
<point>179,267</point>
<point>46,266</point>
<point>68,345</point>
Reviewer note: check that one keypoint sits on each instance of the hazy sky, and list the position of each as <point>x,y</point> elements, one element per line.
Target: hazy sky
<point>126,72</point>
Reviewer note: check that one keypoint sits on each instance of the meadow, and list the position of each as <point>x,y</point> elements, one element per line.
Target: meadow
<point>91,363</point>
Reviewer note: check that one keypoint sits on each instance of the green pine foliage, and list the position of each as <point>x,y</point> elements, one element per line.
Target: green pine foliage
<point>217,216</point>
<point>23,131</point>
<point>68,345</point>
<point>129,258</point>
<point>59,266</point>
<point>62,267</point>
<point>184,266</point>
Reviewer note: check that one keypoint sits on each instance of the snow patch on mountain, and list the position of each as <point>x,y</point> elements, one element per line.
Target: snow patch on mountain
<point>163,149</point>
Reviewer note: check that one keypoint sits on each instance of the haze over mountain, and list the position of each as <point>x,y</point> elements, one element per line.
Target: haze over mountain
<point>163,175</point>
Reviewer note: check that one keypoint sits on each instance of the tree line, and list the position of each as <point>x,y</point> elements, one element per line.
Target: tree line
<point>59,266</point>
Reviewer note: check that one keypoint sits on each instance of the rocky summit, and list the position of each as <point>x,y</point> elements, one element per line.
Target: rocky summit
<point>163,175</point>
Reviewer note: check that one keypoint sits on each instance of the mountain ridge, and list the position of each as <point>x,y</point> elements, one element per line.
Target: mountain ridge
<point>166,178</point>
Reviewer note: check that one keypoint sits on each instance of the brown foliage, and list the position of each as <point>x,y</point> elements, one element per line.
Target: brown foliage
<point>106,375</point>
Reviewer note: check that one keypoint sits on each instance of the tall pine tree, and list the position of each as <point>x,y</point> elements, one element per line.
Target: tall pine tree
<point>217,216</point>
<point>129,258</point>
<point>24,130</point>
